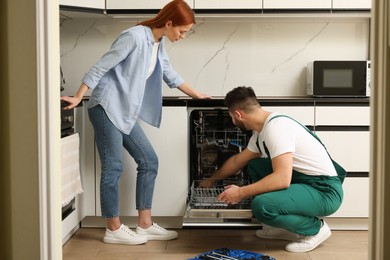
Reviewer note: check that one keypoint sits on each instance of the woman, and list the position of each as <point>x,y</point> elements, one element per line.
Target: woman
<point>127,86</point>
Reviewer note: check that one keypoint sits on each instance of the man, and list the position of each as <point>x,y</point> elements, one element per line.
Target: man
<point>294,180</point>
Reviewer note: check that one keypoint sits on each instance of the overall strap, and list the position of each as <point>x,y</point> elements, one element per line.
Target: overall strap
<point>340,170</point>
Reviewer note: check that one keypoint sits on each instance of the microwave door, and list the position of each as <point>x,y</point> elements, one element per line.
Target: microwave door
<point>339,78</point>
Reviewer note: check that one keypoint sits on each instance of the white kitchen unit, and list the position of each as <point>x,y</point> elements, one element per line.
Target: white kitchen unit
<point>342,116</point>
<point>98,4</point>
<point>87,160</point>
<point>170,142</point>
<point>303,114</point>
<point>351,4</point>
<point>300,4</point>
<point>137,4</point>
<point>228,4</point>
<point>345,132</point>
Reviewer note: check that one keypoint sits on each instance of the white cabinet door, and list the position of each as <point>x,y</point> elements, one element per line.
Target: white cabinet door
<point>299,4</point>
<point>138,4</point>
<point>343,116</point>
<point>356,199</point>
<point>98,4</point>
<point>349,148</point>
<point>228,4</point>
<point>304,115</point>
<point>171,143</point>
<point>351,4</point>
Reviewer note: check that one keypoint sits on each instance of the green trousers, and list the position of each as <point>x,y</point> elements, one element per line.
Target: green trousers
<point>299,207</point>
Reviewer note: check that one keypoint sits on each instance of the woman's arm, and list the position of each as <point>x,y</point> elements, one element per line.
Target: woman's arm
<point>76,99</point>
<point>186,89</point>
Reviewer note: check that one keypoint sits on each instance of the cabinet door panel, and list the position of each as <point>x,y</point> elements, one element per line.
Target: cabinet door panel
<point>304,115</point>
<point>352,4</point>
<point>170,142</point>
<point>300,4</point>
<point>137,4</point>
<point>227,4</point>
<point>99,4</point>
<point>356,198</point>
<point>343,116</point>
<point>350,149</point>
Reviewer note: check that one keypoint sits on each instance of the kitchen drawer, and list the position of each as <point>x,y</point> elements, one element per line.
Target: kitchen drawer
<point>137,4</point>
<point>304,115</point>
<point>356,198</point>
<point>98,4</point>
<point>351,4</point>
<point>351,149</point>
<point>343,116</point>
<point>228,4</point>
<point>300,4</point>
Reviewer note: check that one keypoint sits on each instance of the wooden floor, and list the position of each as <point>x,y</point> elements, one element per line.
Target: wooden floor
<point>87,244</point>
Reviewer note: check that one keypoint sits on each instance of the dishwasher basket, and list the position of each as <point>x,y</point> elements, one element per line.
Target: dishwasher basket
<point>206,198</point>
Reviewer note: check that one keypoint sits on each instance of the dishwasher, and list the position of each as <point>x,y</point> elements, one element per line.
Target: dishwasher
<point>213,140</point>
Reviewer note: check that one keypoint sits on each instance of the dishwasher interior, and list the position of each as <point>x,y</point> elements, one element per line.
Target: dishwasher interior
<point>214,139</point>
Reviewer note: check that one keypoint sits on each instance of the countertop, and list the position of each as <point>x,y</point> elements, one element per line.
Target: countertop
<point>217,101</point>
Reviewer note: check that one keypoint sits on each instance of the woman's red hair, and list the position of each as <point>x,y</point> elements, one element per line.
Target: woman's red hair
<point>176,11</point>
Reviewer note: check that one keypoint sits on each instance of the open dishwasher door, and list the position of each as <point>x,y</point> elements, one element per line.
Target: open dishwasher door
<point>213,140</point>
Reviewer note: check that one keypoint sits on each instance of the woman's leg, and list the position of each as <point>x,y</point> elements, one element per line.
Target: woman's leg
<point>139,147</point>
<point>109,144</point>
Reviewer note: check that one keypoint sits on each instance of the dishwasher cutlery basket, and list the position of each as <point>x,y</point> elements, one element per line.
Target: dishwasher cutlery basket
<point>231,254</point>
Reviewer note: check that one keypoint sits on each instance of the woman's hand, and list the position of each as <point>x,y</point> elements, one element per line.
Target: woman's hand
<point>186,89</point>
<point>202,96</point>
<point>72,102</point>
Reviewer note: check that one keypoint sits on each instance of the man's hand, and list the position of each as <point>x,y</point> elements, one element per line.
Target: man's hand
<point>231,195</point>
<point>206,183</point>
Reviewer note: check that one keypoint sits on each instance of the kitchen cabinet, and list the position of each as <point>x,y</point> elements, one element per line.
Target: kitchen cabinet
<point>343,127</point>
<point>345,132</point>
<point>300,4</point>
<point>303,114</point>
<point>351,4</point>
<point>342,116</point>
<point>136,4</point>
<point>228,4</point>
<point>98,4</point>
<point>170,142</point>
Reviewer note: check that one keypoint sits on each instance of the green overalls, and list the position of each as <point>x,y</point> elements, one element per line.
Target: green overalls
<point>298,207</point>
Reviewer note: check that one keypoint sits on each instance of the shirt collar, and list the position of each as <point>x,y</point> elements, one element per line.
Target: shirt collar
<point>149,35</point>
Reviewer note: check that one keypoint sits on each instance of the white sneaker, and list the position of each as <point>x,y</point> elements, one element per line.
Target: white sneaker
<point>155,232</point>
<point>123,235</point>
<point>308,243</point>
<point>269,232</point>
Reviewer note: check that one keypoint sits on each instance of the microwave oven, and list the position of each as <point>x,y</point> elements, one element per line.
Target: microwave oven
<point>339,78</point>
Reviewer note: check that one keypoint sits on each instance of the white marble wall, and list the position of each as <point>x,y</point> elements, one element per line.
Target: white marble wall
<point>219,54</point>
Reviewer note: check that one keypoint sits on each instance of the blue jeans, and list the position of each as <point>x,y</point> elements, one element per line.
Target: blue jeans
<point>109,141</point>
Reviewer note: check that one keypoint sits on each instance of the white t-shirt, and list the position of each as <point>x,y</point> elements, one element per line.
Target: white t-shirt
<point>283,135</point>
<point>153,58</point>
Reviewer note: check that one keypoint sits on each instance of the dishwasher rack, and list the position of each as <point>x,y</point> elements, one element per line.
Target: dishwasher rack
<point>206,198</point>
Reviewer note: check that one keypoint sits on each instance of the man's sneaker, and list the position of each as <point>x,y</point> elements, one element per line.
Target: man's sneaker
<point>123,235</point>
<point>308,243</point>
<point>269,232</point>
<point>155,232</point>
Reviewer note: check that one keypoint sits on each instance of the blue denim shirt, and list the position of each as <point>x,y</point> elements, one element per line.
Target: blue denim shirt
<point>120,84</point>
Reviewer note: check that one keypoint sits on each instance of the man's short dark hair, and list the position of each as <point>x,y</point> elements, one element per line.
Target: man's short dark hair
<point>243,98</point>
